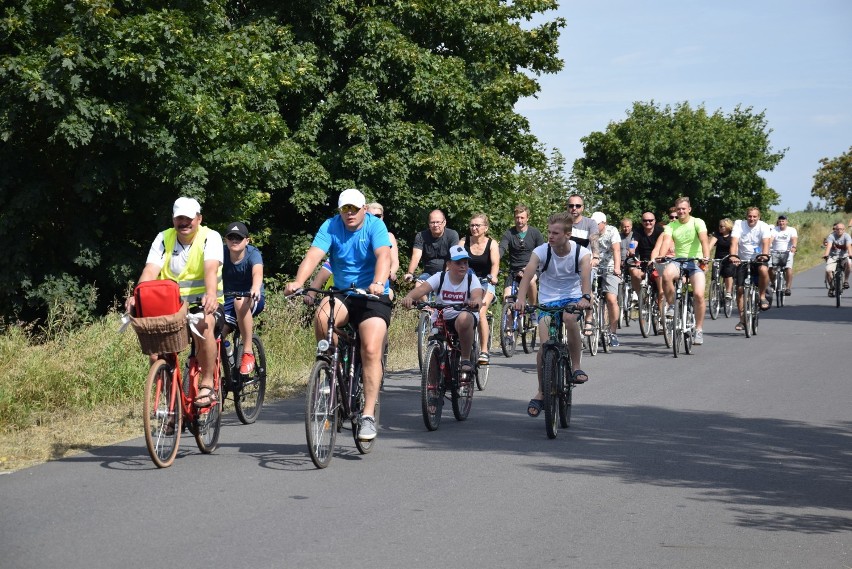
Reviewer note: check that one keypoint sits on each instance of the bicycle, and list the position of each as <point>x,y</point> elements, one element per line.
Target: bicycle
<point>716,296</point>
<point>513,325</point>
<point>424,329</point>
<point>557,369</point>
<point>751,298</point>
<point>592,328</point>
<point>249,390</point>
<point>335,390</point>
<point>169,406</point>
<point>442,373</point>
<point>683,323</point>
<point>648,308</point>
<point>837,278</point>
<point>484,369</point>
<point>779,277</point>
<point>625,302</point>
<point>599,305</point>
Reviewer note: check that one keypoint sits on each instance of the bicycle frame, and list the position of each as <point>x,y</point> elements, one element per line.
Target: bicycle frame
<point>684,318</point>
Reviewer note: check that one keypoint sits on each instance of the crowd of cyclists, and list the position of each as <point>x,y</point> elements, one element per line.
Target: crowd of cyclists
<point>556,267</point>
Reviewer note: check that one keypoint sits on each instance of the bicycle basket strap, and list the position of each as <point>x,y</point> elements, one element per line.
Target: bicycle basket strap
<point>157,298</point>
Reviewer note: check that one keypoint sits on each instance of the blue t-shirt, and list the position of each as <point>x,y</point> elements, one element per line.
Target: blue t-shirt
<point>352,253</point>
<point>237,277</point>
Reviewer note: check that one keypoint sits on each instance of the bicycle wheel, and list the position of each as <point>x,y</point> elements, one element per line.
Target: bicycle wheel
<point>603,318</point>
<point>689,329</point>
<point>779,287</point>
<point>550,389</point>
<point>363,446</point>
<point>838,283</point>
<point>508,330</point>
<point>566,390</point>
<point>321,414</point>
<point>161,414</point>
<point>749,309</point>
<point>432,388</point>
<point>208,422</point>
<point>528,333</point>
<point>593,340</point>
<point>677,326</point>
<point>668,326</point>
<point>624,303</point>
<point>251,389</point>
<point>715,299</point>
<point>463,395</point>
<point>645,311</point>
<point>424,328</point>
<point>482,371</point>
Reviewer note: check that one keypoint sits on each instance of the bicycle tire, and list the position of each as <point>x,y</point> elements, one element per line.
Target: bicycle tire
<point>208,422</point>
<point>668,327</point>
<point>689,330</point>
<point>838,284</point>
<point>432,388</point>
<point>462,394</point>
<point>550,389</point>
<point>748,309</point>
<point>625,308</point>
<point>593,340</point>
<point>162,414</point>
<point>508,331</point>
<point>528,333</point>
<point>715,299</point>
<point>363,446</point>
<point>321,414</point>
<point>677,325</point>
<point>645,312</point>
<point>424,329</point>
<point>779,287</point>
<point>603,318</point>
<point>483,371</point>
<point>250,389</point>
<point>566,391</point>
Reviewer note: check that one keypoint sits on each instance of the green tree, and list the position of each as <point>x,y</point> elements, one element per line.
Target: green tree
<point>833,182</point>
<point>262,110</point>
<point>658,154</point>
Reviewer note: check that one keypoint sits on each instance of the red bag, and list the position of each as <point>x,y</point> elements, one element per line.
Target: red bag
<point>157,298</point>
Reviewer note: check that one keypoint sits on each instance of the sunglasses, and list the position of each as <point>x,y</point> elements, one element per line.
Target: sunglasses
<point>575,205</point>
<point>672,217</point>
<point>647,221</point>
<point>349,209</point>
<point>235,238</point>
<point>379,215</point>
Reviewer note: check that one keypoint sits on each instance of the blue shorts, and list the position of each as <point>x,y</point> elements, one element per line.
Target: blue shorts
<point>231,314</point>
<point>691,267</point>
<point>556,304</point>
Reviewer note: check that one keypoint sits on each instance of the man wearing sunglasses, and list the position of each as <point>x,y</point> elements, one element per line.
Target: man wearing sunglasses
<point>584,230</point>
<point>432,246</point>
<point>359,252</point>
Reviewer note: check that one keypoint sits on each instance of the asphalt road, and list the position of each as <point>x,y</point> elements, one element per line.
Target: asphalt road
<point>737,456</point>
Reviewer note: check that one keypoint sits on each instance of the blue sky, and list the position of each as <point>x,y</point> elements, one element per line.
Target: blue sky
<point>789,59</point>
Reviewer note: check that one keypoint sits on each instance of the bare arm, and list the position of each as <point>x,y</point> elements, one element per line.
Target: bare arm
<point>312,258</point>
<point>423,288</point>
<point>394,268</point>
<point>382,270</point>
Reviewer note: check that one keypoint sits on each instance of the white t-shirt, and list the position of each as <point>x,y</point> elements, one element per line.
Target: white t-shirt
<point>750,238</point>
<point>605,241</point>
<point>213,251</point>
<point>562,279</point>
<point>451,293</point>
<point>781,240</point>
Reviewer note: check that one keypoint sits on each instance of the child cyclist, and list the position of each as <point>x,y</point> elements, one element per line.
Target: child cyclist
<point>242,272</point>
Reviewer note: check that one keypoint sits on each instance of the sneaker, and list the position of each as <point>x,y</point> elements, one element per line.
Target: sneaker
<point>367,432</point>
<point>787,292</point>
<point>728,296</point>
<point>247,364</point>
<point>483,359</point>
<point>699,337</point>
<point>670,312</point>
<point>613,340</point>
<point>831,292</point>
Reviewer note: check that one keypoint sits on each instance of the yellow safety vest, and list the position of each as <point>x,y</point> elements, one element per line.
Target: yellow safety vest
<point>191,279</point>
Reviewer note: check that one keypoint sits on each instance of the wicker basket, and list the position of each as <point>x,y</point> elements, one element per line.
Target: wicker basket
<point>162,334</point>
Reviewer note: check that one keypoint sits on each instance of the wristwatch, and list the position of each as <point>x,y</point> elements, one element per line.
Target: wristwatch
<point>378,283</point>
<point>587,296</point>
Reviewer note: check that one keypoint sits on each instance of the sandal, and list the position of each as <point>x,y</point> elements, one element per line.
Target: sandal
<point>831,292</point>
<point>209,396</point>
<point>579,376</point>
<point>534,407</point>
<point>465,366</point>
<point>845,284</point>
<point>765,304</point>
<point>787,292</point>
<point>588,329</point>
<point>740,326</point>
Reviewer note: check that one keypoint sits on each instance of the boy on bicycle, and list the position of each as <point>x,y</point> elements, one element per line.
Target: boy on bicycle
<point>242,272</point>
<point>455,286</point>
<point>565,277</point>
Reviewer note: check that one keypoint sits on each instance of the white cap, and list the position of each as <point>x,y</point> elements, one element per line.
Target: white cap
<point>457,253</point>
<point>186,207</point>
<point>351,197</point>
<point>599,217</point>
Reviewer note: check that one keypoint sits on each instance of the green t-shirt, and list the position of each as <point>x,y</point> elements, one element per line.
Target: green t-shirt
<point>685,236</point>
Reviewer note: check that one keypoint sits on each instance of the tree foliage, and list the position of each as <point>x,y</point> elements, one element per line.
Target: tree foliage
<point>833,182</point>
<point>263,110</point>
<point>658,154</point>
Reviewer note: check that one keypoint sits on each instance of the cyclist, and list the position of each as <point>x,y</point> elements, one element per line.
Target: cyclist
<point>645,240</point>
<point>784,242</point>
<point>584,232</point>
<point>455,286</point>
<point>625,230</point>
<point>609,243</point>
<point>519,241</point>
<point>432,246</point>
<point>378,210</point>
<point>192,255</point>
<point>242,271</point>
<point>689,236</point>
<point>750,240</point>
<point>565,278</point>
<point>484,255</point>
<point>838,246</point>
<point>721,240</point>
<point>359,252</point>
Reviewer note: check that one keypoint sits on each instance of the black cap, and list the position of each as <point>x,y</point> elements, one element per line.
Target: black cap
<point>782,217</point>
<point>238,228</point>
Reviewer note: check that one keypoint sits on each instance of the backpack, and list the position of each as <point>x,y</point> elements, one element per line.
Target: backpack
<point>441,282</point>
<point>157,298</point>
<point>576,258</point>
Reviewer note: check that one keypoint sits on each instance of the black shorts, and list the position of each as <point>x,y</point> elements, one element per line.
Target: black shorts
<point>727,269</point>
<point>361,308</point>
<point>218,317</point>
<point>741,272</point>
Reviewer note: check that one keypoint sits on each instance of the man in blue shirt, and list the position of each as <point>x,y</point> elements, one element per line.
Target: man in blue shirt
<point>359,251</point>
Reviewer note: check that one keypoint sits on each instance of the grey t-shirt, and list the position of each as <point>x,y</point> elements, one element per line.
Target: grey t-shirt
<point>436,250</point>
<point>583,230</point>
